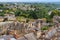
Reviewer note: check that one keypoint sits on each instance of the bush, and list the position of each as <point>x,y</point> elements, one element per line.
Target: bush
<point>44,28</point>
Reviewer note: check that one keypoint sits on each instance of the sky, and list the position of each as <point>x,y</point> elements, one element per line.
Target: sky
<point>29,0</point>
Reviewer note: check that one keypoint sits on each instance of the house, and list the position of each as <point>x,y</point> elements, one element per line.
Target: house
<point>49,12</point>
<point>1,19</point>
<point>57,8</point>
<point>29,36</point>
<point>10,17</point>
<point>8,37</point>
<point>1,10</point>
<point>40,22</point>
<point>51,33</point>
<point>56,20</point>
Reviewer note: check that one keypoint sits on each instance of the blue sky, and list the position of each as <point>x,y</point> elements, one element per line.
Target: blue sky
<point>29,0</point>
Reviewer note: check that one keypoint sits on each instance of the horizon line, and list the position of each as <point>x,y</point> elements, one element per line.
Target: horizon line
<point>38,2</point>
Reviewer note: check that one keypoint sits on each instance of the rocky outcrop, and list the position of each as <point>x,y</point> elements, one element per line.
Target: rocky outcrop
<point>29,36</point>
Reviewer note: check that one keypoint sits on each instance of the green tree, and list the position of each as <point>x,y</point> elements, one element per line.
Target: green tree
<point>33,15</point>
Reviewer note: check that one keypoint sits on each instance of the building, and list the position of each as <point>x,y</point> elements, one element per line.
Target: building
<point>10,17</point>
<point>1,19</point>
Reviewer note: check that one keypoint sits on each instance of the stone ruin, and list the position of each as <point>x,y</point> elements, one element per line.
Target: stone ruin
<point>12,26</point>
<point>29,36</point>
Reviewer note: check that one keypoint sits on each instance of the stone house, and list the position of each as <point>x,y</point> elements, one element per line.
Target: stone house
<point>10,17</point>
<point>56,20</point>
<point>1,19</point>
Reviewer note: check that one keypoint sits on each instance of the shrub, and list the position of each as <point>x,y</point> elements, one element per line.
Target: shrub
<point>44,28</point>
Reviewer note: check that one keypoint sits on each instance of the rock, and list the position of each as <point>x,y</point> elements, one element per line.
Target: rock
<point>38,34</point>
<point>30,36</point>
<point>21,38</point>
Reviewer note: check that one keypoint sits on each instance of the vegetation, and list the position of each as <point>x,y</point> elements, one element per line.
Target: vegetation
<point>55,13</point>
<point>40,11</point>
<point>44,28</point>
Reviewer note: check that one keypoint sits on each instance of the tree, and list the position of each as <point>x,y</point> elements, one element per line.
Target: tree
<point>54,13</point>
<point>33,15</point>
<point>44,28</point>
<point>17,13</point>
